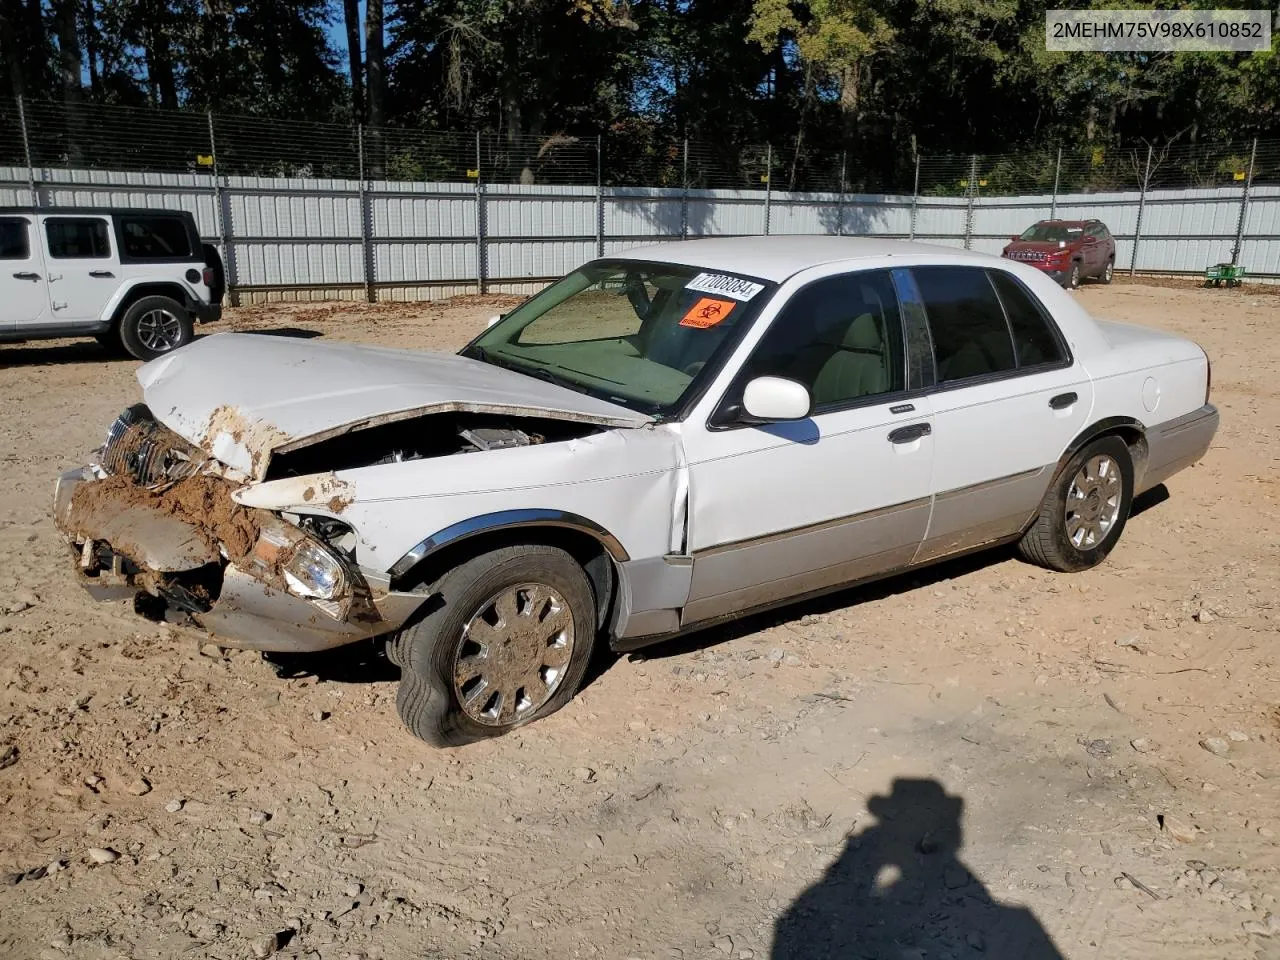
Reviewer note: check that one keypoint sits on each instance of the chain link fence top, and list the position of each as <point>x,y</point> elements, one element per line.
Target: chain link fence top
<point>98,137</point>
<point>632,153</point>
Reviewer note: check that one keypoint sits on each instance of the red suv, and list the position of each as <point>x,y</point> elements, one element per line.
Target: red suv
<point>1067,250</point>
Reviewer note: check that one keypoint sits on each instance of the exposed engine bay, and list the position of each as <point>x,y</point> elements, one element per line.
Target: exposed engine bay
<point>423,437</point>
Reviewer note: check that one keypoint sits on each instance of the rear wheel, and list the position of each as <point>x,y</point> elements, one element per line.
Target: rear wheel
<point>508,643</point>
<point>1084,513</point>
<point>155,326</point>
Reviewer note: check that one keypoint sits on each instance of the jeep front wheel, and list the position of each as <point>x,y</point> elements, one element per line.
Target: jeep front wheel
<point>507,643</point>
<point>154,326</point>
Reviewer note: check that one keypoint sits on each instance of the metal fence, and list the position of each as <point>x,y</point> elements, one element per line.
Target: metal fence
<point>311,211</point>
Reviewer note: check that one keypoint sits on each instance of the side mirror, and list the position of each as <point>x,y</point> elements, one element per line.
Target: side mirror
<point>494,319</point>
<point>771,399</point>
<point>1016,236</point>
<point>1089,239</point>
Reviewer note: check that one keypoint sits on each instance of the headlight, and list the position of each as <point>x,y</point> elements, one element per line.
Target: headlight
<point>314,572</point>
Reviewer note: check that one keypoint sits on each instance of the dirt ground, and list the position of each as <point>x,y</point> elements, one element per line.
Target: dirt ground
<point>911,770</point>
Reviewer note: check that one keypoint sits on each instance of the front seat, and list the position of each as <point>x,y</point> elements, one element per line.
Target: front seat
<point>858,366</point>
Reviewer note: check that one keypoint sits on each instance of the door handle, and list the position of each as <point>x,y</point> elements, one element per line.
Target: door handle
<point>908,434</point>
<point>26,275</point>
<point>1063,400</point>
<point>101,273</point>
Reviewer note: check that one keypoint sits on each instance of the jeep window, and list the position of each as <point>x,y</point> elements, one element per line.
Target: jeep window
<point>154,238</point>
<point>13,239</point>
<point>642,335</point>
<point>75,238</point>
<point>1051,233</point>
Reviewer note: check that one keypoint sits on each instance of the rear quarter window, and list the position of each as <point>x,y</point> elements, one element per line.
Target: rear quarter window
<point>154,238</point>
<point>1034,340</point>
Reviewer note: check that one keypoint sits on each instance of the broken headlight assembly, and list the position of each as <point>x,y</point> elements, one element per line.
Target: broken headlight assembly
<point>300,563</point>
<point>315,573</point>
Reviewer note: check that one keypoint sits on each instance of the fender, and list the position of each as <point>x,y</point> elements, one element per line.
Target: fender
<point>164,287</point>
<point>1104,426</point>
<point>505,520</point>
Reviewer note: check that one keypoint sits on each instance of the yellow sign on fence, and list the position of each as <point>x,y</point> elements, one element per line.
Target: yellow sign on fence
<point>204,159</point>
<point>1238,175</point>
<point>473,174</point>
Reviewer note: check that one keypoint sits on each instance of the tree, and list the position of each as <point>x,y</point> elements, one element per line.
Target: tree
<point>351,22</point>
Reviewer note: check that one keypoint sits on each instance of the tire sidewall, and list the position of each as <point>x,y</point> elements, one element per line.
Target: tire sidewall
<point>1073,278</point>
<point>1118,450</point>
<point>431,648</point>
<point>135,312</point>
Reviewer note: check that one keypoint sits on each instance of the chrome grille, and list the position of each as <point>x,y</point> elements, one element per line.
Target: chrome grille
<point>1031,256</point>
<point>153,455</point>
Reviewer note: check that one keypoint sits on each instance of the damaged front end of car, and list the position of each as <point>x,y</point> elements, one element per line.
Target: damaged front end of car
<point>152,516</point>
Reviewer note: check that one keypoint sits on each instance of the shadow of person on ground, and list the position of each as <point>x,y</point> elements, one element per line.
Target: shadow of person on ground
<point>900,892</point>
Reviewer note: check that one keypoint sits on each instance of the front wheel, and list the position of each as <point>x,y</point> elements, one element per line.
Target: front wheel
<point>154,326</point>
<point>1108,271</point>
<point>1073,277</point>
<point>507,643</point>
<point>1084,512</point>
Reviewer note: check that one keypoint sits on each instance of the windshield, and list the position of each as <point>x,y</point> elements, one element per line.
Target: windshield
<point>1051,233</point>
<point>637,334</point>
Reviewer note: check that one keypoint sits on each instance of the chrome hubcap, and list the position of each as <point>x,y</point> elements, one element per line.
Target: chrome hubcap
<point>1093,502</point>
<point>514,653</point>
<point>159,330</point>
<point>1110,270</point>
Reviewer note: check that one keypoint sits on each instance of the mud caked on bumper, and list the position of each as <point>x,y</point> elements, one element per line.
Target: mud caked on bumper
<point>127,544</point>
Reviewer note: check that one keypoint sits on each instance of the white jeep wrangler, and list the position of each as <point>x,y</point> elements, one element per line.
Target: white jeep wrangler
<point>136,279</point>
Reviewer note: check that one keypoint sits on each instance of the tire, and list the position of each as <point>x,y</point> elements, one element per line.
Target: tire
<point>154,326</point>
<point>449,712</point>
<point>1061,543</point>
<point>1108,272</point>
<point>1073,278</point>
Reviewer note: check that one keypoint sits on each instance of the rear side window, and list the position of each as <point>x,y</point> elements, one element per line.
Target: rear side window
<point>13,239</point>
<point>73,237</point>
<point>966,321</point>
<point>154,238</point>
<point>1034,341</point>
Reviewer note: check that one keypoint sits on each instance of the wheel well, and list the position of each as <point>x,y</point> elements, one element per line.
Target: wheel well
<point>584,548</point>
<point>1128,431</point>
<point>172,290</point>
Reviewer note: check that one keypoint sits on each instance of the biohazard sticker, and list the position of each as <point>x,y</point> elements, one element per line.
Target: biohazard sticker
<point>724,285</point>
<point>707,313</point>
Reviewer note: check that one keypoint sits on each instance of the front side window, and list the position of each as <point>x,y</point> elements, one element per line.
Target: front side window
<point>154,238</point>
<point>77,238</point>
<point>13,239</point>
<point>642,335</point>
<point>966,321</point>
<point>840,336</point>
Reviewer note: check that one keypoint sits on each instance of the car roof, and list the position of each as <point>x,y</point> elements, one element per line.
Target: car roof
<point>1068,223</point>
<point>92,211</point>
<point>777,258</point>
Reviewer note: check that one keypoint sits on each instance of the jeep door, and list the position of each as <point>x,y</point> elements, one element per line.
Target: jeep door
<point>22,280</point>
<point>84,267</point>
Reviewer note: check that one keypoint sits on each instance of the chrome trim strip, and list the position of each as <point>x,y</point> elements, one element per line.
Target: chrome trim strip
<point>810,528</point>
<point>505,520</point>
<point>1184,422</point>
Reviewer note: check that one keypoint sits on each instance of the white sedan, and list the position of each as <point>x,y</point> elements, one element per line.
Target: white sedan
<point>661,440</point>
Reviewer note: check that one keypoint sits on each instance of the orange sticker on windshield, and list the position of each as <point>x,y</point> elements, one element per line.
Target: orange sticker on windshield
<point>707,313</point>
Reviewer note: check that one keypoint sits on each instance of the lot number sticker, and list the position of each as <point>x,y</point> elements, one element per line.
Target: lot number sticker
<point>707,313</point>
<point>725,286</point>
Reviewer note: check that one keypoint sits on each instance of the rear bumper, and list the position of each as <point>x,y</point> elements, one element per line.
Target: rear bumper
<point>159,559</point>
<point>1177,444</point>
<point>207,312</point>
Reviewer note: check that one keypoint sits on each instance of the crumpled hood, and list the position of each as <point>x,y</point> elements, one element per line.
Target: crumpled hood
<point>242,396</point>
